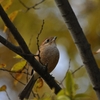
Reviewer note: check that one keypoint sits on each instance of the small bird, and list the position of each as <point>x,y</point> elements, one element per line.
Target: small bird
<point>48,56</point>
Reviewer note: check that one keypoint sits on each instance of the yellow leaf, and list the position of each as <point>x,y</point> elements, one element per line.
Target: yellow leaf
<point>18,77</point>
<point>11,17</point>
<point>17,56</point>
<point>6,4</point>
<point>19,66</point>
<point>2,65</point>
<point>3,88</point>
<point>38,84</point>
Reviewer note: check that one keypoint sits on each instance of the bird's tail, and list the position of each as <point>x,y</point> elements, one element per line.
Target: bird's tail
<point>28,89</point>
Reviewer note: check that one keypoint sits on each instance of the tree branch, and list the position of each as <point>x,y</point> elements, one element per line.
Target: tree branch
<point>14,31</point>
<point>25,52</point>
<point>34,6</point>
<point>15,49</point>
<point>81,43</point>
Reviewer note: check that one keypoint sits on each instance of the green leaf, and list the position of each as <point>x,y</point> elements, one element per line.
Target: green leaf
<point>63,97</point>
<point>82,96</point>
<point>62,92</point>
<point>19,66</point>
<point>70,85</point>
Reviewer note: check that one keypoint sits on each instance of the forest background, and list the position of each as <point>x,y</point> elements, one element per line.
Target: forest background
<point>28,23</point>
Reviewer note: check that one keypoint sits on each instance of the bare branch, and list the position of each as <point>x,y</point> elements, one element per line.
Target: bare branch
<point>3,69</point>
<point>26,54</point>
<point>77,69</point>
<point>81,43</point>
<point>14,31</point>
<point>16,49</point>
<point>17,79</point>
<point>38,41</point>
<point>33,7</point>
<point>7,95</point>
<point>66,73</point>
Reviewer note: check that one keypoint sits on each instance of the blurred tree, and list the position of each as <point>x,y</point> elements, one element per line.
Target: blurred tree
<point>28,23</point>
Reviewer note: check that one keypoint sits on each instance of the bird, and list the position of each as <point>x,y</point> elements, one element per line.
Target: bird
<point>49,57</point>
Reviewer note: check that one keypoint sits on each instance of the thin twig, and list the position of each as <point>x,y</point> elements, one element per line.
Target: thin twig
<point>7,95</point>
<point>17,79</point>
<point>25,52</point>
<point>23,46</point>
<point>3,69</point>
<point>24,4</point>
<point>38,4</point>
<point>66,73</point>
<point>34,6</point>
<point>77,69</point>
<point>9,45</point>
<point>38,41</point>
<point>30,40</point>
<point>69,65</point>
<point>27,72</point>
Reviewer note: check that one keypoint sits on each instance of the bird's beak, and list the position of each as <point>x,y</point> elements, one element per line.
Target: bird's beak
<point>54,38</point>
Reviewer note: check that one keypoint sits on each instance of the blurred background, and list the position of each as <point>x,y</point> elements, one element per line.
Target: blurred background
<point>29,24</point>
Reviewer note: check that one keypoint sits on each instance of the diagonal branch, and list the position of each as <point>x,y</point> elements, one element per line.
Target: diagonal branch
<point>14,31</point>
<point>25,53</point>
<point>81,43</point>
<point>16,49</point>
<point>34,6</point>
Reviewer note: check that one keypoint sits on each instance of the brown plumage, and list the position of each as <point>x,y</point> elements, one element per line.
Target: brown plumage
<point>49,56</point>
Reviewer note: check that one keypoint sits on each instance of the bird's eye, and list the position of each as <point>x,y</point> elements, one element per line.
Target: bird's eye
<point>47,40</point>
